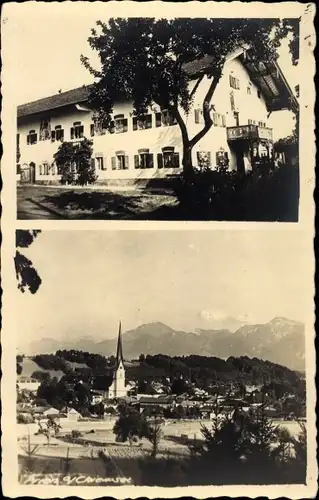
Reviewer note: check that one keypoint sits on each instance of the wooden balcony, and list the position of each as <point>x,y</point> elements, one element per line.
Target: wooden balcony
<point>246,132</point>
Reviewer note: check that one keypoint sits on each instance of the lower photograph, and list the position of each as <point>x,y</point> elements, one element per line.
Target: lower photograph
<point>161,358</point>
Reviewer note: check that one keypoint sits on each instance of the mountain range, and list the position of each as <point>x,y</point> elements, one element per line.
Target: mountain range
<point>280,340</point>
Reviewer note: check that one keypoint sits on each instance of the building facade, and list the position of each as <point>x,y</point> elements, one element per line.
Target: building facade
<point>137,150</point>
<point>118,387</point>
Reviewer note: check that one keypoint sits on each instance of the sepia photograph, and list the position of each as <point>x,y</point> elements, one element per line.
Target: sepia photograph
<point>157,118</point>
<point>195,376</point>
<point>157,260</point>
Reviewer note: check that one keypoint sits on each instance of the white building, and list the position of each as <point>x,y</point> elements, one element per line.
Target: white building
<point>28,384</point>
<point>118,388</point>
<point>136,151</point>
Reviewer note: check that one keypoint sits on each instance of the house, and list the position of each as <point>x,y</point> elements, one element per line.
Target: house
<point>28,384</point>
<point>73,415</point>
<point>137,151</point>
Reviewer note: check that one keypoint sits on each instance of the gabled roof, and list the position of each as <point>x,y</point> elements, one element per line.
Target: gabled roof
<point>75,96</point>
<point>266,75</point>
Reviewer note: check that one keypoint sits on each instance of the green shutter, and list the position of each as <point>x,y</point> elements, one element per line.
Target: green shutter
<point>136,161</point>
<point>113,162</point>
<point>126,163</point>
<point>159,160</point>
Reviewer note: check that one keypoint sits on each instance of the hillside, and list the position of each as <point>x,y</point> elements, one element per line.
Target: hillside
<point>280,340</point>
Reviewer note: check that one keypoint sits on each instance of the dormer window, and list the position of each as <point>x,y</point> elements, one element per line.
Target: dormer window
<point>32,137</point>
<point>77,131</point>
<point>57,134</point>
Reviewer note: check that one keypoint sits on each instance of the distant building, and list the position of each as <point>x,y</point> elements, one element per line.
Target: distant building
<point>28,384</point>
<point>118,387</point>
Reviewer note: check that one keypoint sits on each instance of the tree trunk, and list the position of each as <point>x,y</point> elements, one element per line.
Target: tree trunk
<point>187,163</point>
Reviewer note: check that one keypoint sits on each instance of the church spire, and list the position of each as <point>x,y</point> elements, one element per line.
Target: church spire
<point>119,350</point>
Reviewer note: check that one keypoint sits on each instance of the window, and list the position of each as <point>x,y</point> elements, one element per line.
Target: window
<point>120,124</point>
<point>261,124</point>
<point>45,129</point>
<point>203,159</point>
<point>100,163</point>
<point>32,137</point>
<point>57,134</point>
<point>249,90</point>
<point>165,118</point>
<point>236,117</point>
<point>46,168</point>
<point>168,159</point>
<point>234,82</point>
<point>142,122</point>
<point>77,131</point>
<point>219,120</point>
<point>120,161</point>
<point>92,129</point>
<point>18,169</point>
<point>144,159</point>
<point>232,101</point>
<point>222,159</point>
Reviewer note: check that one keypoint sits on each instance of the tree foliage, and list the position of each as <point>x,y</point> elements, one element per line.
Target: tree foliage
<point>144,60</point>
<point>74,162</point>
<point>27,276</point>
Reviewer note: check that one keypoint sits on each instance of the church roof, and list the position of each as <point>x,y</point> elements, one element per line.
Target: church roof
<point>119,349</point>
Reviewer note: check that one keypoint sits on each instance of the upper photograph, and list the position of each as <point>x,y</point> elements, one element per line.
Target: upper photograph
<point>193,119</point>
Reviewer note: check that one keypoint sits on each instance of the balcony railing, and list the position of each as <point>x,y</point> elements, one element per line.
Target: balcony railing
<point>249,132</point>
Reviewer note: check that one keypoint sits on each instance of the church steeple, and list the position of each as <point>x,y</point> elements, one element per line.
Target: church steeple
<point>119,349</point>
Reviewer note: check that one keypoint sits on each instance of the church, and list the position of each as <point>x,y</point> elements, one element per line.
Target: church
<point>118,388</point>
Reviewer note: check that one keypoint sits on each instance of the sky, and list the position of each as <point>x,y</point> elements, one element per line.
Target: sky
<point>185,279</point>
<point>48,48</point>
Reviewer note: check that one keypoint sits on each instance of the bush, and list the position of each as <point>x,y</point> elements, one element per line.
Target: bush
<point>265,194</point>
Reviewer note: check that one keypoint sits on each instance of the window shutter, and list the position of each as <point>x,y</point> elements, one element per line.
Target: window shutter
<point>134,123</point>
<point>104,164</point>
<point>113,162</point>
<point>81,131</point>
<point>126,162</point>
<point>92,129</point>
<point>72,132</point>
<point>158,118</point>
<point>136,161</point>
<point>223,120</point>
<point>93,163</point>
<point>149,121</point>
<point>125,125</point>
<point>159,160</point>
<point>209,158</point>
<point>61,135</point>
<point>197,114</point>
<point>150,160</point>
<point>176,160</point>
<point>40,169</point>
<point>53,135</point>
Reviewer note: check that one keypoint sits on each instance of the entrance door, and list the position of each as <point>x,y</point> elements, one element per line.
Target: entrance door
<point>32,173</point>
<point>240,161</point>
